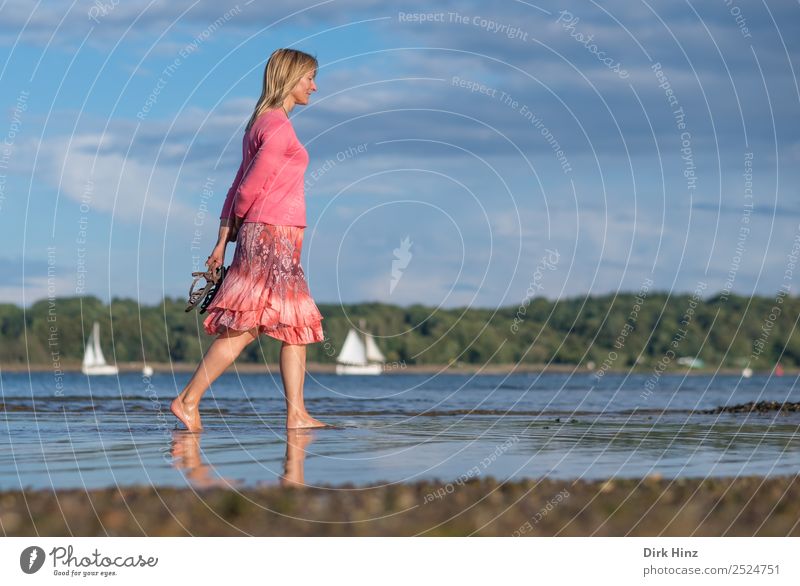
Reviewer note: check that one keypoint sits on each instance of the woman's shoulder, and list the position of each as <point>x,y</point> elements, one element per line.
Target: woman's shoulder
<point>270,122</point>
<point>272,117</point>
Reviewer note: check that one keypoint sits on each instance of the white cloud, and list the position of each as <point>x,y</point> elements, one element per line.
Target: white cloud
<point>86,171</point>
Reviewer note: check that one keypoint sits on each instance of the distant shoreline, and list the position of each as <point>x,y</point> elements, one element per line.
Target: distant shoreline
<point>390,369</point>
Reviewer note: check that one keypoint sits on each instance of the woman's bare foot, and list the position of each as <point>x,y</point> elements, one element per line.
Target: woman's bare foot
<point>303,421</point>
<point>188,414</point>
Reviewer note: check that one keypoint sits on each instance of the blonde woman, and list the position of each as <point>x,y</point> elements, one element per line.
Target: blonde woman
<point>264,290</point>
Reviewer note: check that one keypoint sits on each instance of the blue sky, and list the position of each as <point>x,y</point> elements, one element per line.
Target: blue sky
<point>488,135</point>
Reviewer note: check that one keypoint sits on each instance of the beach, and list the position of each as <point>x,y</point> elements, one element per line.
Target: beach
<point>514,455</point>
<point>745,506</point>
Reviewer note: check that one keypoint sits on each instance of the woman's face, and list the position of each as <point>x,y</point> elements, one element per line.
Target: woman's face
<point>302,90</point>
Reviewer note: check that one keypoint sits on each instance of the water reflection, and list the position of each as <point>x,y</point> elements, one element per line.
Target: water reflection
<point>296,442</point>
<point>186,457</point>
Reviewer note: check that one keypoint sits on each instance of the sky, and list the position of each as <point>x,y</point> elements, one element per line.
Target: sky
<point>462,154</point>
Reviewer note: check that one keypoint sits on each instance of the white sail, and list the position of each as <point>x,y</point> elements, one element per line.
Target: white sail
<point>88,354</point>
<point>93,360</point>
<point>374,353</point>
<point>359,357</point>
<point>99,359</point>
<point>353,351</point>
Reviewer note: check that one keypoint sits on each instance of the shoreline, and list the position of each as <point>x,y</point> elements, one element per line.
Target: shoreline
<point>390,369</point>
<point>737,506</point>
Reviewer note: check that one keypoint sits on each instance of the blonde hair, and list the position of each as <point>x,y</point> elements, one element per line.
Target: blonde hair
<point>284,69</point>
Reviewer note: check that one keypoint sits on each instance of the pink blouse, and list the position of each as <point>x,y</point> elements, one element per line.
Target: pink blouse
<point>269,186</point>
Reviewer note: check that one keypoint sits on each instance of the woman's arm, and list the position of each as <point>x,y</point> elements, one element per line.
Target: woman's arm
<point>265,166</point>
<point>228,230</point>
<point>249,183</point>
<point>227,207</point>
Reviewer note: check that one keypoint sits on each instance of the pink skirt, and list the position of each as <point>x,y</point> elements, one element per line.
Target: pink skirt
<point>266,287</point>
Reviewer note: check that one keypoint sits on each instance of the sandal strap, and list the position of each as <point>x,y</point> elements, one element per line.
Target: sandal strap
<point>204,295</point>
<point>209,297</point>
<point>195,296</point>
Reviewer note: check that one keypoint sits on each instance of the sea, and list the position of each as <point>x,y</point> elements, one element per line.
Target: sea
<point>80,432</point>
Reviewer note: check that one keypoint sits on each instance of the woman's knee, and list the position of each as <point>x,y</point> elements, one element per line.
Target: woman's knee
<point>245,336</point>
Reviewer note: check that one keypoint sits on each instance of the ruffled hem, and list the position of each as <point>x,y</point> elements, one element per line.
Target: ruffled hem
<point>222,319</point>
<point>295,322</point>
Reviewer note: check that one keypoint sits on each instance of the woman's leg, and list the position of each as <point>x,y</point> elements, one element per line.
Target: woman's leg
<point>218,358</point>
<point>293,372</point>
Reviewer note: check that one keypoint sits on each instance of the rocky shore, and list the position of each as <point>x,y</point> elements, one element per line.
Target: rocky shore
<point>744,506</point>
<point>753,407</point>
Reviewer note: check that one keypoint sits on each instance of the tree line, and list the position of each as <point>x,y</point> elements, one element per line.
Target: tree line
<point>614,331</point>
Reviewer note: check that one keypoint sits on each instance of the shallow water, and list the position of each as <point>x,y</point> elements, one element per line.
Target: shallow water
<point>107,431</point>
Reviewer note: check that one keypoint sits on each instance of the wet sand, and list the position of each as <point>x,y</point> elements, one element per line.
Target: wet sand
<point>745,506</point>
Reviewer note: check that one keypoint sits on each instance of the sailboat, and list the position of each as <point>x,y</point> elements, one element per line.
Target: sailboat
<point>359,357</point>
<point>93,360</point>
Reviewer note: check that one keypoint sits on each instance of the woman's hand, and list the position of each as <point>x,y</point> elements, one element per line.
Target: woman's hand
<point>216,258</point>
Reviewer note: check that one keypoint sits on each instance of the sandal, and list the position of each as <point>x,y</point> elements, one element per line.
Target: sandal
<point>206,294</point>
<point>212,292</point>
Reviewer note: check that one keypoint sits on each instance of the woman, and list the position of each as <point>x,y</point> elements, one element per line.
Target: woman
<point>264,290</point>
